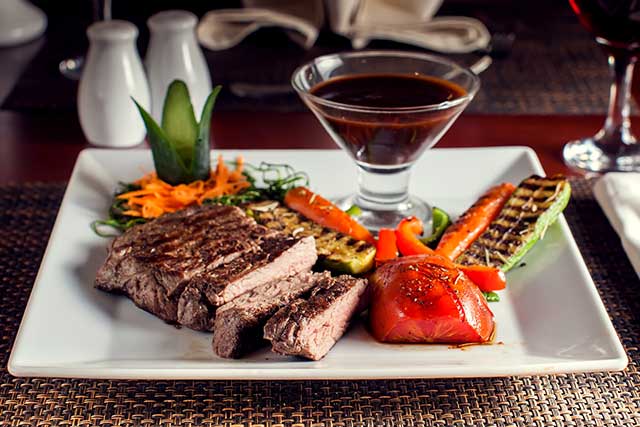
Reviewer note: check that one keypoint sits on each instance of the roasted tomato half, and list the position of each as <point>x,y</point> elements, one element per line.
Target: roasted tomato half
<point>426,299</point>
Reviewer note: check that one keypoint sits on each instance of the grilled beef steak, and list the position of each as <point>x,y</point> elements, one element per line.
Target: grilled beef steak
<point>310,327</point>
<point>183,265</point>
<point>239,324</point>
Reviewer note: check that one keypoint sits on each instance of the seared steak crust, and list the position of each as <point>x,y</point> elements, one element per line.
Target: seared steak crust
<point>181,266</point>
<point>310,327</point>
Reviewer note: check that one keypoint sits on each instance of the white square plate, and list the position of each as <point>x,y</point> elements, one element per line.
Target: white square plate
<point>550,318</point>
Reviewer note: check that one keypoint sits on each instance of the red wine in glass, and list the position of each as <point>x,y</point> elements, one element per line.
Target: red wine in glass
<point>615,24</point>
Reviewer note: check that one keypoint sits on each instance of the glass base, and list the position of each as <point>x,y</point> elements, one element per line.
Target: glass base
<point>71,68</point>
<point>377,216</point>
<point>589,154</point>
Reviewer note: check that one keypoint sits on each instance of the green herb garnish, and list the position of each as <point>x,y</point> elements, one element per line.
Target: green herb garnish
<point>276,180</point>
<point>117,221</point>
<point>269,181</point>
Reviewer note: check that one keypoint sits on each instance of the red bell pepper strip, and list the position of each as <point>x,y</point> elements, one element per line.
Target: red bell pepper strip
<point>486,278</point>
<point>386,248</point>
<point>407,237</point>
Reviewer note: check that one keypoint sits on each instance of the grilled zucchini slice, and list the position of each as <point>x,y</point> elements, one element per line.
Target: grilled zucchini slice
<point>534,206</point>
<point>336,251</point>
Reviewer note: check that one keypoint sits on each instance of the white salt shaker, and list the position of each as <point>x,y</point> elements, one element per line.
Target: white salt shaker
<point>174,53</point>
<point>112,75</point>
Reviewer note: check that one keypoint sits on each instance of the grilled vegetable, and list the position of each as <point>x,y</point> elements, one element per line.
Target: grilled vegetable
<point>325,213</point>
<point>491,296</point>
<point>407,237</point>
<point>426,299</point>
<point>386,248</point>
<point>441,222</point>
<point>486,278</point>
<point>474,221</point>
<point>534,206</point>
<point>336,251</point>
<point>354,210</point>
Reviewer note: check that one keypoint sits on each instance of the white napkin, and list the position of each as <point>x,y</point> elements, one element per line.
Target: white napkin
<point>618,193</point>
<point>452,34</point>
<point>223,29</point>
<point>406,21</point>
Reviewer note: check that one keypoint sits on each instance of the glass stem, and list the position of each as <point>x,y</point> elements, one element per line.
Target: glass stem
<point>101,10</point>
<point>106,10</point>
<point>617,126</point>
<point>383,186</point>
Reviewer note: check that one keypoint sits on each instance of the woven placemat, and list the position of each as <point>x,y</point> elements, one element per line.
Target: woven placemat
<point>604,399</point>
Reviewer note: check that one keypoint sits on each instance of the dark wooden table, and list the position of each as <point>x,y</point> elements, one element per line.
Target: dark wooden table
<point>45,147</point>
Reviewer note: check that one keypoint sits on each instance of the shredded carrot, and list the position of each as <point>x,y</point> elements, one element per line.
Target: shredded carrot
<point>155,197</point>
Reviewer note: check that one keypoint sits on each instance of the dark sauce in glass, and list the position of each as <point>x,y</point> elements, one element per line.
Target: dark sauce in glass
<point>392,137</point>
<point>388,90</point>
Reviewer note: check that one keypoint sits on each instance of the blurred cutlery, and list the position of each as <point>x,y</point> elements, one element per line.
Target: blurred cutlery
<point>500,47</point>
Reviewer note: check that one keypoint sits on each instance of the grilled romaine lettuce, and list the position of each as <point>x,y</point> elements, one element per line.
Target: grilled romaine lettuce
<point>534,206</point>
<point>336,251</point>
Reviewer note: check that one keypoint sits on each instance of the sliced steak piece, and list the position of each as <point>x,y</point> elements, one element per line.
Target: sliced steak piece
<point>172,243</point>
<point>310,327</point>
<point>194,311</point>
<point>179,266</point>
<point>278,257</point>
<point>151,297</point>
<point>183,246</point>
<point>238,327</point>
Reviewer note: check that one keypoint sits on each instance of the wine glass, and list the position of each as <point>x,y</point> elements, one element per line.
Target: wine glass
<point>71,68</point>
<point>616,27</point>
<point>385,108</point>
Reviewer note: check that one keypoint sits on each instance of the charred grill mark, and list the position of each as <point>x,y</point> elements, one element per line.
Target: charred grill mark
<point>513,227</point>
<point>541,186</point>
<point>361,248</point>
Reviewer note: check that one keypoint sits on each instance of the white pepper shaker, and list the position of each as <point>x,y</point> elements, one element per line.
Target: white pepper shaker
<point>174,53</point>
<point>20,22</point>
<point>112,75</point>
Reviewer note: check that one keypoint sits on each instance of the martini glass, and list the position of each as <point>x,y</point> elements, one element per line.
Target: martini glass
<point>385,141</point>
